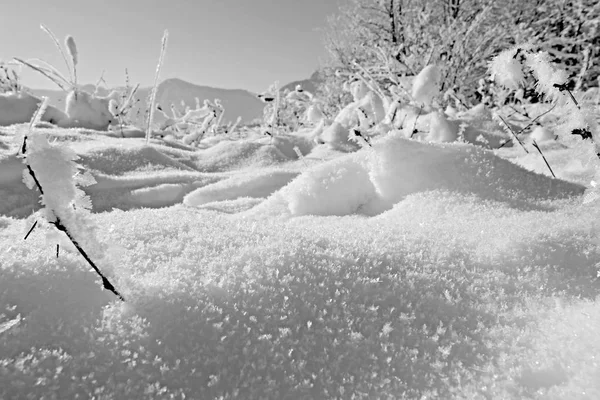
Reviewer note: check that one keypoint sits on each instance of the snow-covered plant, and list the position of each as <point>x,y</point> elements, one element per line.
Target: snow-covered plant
<point>271,123</point>
<point>152,103</point>
<point>509,69</point>
<point>197,134</point>
<point>219,111</point>
<point>195,123</point>
<point>122,106</point>
<point>51,169</point>
<point>288,111</point>
<point>233,127</point>
<point>9,80</point>
<point>65,83</point>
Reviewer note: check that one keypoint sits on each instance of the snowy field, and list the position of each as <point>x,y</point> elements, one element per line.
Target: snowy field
<point>402,270</point>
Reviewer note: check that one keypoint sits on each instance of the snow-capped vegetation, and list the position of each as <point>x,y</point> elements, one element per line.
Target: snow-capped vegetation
<point>390,236</point>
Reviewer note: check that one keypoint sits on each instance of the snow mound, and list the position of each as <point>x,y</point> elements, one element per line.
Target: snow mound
<point>258,184</point>
<point>18,108</point>
<point>541,134</point>
<point>425,86</point>
<point>440,130</point>
<point>373,181</point>
<point>338,187</point>
<point>400,167</point>
<point>336,136</point>
<point>230,155</point>
<point>121,160</point>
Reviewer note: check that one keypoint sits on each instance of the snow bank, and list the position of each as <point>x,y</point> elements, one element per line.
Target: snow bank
<point>257,184</point>
<point>339,187</point>
<point>458,281</point>
<point>82,110</point>
<point>18,108</point>
<point>425,86</point>
<point>400,167</point>
<point>87,111</point>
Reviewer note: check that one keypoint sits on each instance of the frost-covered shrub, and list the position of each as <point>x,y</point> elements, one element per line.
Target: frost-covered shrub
<point>289,110</point>
<point>509,69</point>
<point>192,125</point>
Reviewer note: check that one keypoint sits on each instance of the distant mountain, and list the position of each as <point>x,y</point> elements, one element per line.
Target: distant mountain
<point>237,102</point>
<point>311,84</point>
<point>174,91</point>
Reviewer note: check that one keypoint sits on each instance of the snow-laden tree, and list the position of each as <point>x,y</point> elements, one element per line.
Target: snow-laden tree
<point>395,38</point>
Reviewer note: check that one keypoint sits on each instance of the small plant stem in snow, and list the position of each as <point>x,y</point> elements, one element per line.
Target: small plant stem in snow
<point>30,230</point>
<point>154,88</point>
<point>513,133</point>
<point>414,130</point>
<point>529,125</point>
<point>533,121</point>
<point>542,154</point>
<point>563,88</point>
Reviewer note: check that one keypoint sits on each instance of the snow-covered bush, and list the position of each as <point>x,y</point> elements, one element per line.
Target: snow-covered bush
<point>122,105</point>
<point>194,124</point>
<point>511,67</point>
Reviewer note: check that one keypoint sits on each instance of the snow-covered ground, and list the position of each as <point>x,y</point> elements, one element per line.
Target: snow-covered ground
<point>406,270</point>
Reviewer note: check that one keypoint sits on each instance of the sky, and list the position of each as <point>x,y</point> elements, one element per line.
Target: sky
<point>234,44</point>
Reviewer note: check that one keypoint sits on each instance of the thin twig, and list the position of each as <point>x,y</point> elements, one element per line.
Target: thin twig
<point>542,154</point>
<point>415,124</point>
<point>30,230</point>
<point>513,132</point>
<point>105,282</point>
<point>533,121</point>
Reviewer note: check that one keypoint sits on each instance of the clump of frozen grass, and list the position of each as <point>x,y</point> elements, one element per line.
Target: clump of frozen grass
<point>152,105</point>
<point>49,71</point>
<point>51,169</point>
<point>72,49</point>
<point>9,80</point>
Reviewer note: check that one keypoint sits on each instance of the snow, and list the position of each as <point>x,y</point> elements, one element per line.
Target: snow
<point>440,129</point>
<point>425,85</point>
<point>541,134</point>
<point>82,110</point>
<point>250,272</point>
<point>18,108</point>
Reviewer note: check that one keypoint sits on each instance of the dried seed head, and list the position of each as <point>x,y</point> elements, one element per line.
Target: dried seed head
<point>72,48</point>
